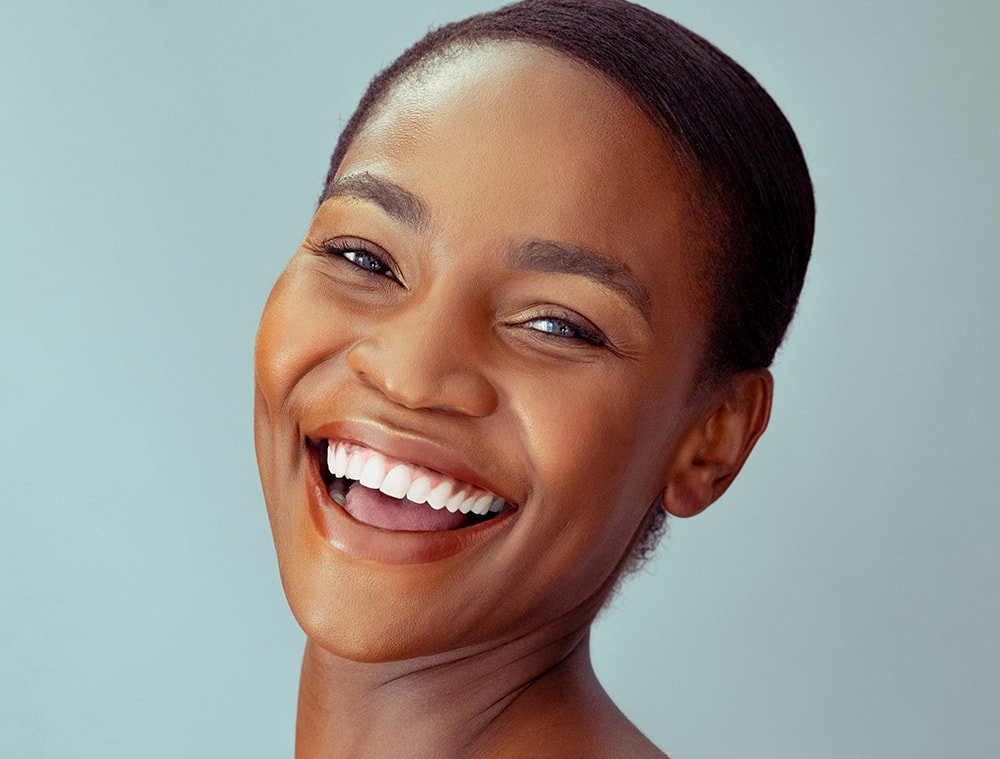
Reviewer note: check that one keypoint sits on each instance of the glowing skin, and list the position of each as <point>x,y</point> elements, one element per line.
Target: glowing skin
<point>501,294</point>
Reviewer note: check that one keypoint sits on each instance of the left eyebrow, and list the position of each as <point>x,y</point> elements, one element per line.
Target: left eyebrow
<point>566,258</point>
<point>399,203</point>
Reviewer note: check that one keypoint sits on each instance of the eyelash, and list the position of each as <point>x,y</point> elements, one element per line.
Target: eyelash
<point>558,327</point>
<point>353,250</point>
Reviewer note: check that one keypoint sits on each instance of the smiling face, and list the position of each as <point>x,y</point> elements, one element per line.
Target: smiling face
<point>495,307</point>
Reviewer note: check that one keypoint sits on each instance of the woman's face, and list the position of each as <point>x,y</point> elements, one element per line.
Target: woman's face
<point>497,301</point>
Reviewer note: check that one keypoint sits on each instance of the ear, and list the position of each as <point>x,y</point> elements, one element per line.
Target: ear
<point>712,452</point>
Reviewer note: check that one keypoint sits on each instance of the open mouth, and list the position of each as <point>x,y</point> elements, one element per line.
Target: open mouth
<point>395,495</point>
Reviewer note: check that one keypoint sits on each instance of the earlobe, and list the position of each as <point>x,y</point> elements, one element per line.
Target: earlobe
<point>714,450</point>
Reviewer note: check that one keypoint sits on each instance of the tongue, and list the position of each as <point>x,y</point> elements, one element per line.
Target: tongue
<point>377,509</point>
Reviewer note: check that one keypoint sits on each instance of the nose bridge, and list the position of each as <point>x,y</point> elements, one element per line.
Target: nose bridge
<point>424,354</point>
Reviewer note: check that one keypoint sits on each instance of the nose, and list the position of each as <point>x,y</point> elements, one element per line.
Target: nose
<point>423,357</point>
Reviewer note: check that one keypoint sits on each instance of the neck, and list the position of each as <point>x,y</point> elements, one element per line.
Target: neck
<point>454,705</point>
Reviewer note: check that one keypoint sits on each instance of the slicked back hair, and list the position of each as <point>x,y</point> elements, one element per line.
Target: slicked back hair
<point>744,160</point>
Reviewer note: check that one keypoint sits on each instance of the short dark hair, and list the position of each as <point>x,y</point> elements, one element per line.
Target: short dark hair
<point>748,169</point>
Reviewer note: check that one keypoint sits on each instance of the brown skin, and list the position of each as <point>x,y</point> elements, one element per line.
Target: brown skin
<point>450,352</point>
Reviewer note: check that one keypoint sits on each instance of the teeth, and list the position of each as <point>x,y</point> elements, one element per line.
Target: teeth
<point>336,460</point>
<point>340,461</point>
<point>397,481</point>
<point>482,504</point>
<point>419,490</point>
<point>455,501</point>
<point>467,503</point>
<point>355,464</point>
<point>439,495</point>
<point>338,491</point>
<point>373,472</point>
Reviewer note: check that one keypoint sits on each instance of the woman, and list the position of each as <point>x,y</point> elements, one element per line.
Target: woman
<point>556,250</point>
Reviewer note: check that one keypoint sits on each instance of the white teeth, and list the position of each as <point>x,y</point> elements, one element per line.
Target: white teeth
<point>397,481</point>
<point>419,490</point>
<point>482,504</point>
<point>339,468</point>
<point>348,461</point>
<point>439,495</point>
<point>373,473</point>
<point>355,464</point>
<point>336,460</point>
<point>455,501</point>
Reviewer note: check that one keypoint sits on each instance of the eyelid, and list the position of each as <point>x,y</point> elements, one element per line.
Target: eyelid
<point>582,335</point>
<point>337,246</point>
<point>590,334</point>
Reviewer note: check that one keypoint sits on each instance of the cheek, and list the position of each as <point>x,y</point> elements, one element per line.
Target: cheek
<point>291,341</point>
<point>299,330</point>
<point>599,435</point>
<point>283,346</point>
<point>598,450</point>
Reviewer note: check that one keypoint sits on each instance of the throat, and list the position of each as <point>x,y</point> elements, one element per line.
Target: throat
<point>525,691</point>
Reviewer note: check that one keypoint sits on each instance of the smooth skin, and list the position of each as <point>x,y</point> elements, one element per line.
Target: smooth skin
<point>431,308</point>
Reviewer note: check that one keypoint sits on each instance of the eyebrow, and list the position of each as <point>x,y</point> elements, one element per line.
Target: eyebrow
<point>546,256</point>
<point>566,258</point>
<point>401,204</point>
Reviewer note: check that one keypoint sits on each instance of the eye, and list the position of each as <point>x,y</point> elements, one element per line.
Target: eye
<point>364,260</point>
<point>361,255</point>
<point>566,329</point>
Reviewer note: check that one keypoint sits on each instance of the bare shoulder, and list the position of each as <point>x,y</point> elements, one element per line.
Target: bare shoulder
<point>612,736</point>
<point>577,740</point>
<point>561,717</point>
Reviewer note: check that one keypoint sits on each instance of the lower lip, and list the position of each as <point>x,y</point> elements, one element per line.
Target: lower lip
<point>362,541</point>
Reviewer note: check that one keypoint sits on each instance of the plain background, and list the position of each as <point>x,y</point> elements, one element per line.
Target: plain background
<point>159,163</point>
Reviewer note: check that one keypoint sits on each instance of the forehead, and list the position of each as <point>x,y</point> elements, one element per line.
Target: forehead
<point>513,141</point>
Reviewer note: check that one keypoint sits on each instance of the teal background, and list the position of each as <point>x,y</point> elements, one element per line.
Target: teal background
<point>159,163</point>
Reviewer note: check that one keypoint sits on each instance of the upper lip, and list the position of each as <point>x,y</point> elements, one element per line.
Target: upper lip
<point>407,447</point>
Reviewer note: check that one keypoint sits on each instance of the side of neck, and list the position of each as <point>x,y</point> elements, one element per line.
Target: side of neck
<point>432,706</point>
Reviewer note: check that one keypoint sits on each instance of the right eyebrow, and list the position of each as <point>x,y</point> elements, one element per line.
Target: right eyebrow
<point>399,203</point>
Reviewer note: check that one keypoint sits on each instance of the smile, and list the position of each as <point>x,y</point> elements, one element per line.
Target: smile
<point>384,492</point>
